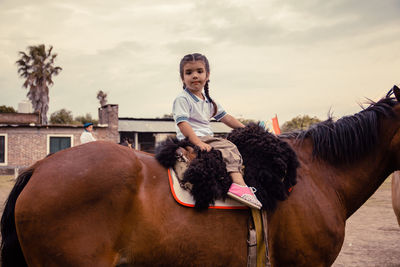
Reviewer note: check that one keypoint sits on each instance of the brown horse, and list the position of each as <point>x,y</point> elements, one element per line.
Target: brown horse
<point>396,195</point>
<point>101,204</point>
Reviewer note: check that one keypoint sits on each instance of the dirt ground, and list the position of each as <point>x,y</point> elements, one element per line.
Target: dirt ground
<point>372,233</point>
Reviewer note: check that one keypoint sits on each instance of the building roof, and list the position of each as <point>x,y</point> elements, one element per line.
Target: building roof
<point>38,125</point>
<point>139,125</point>
<point>160,126</point>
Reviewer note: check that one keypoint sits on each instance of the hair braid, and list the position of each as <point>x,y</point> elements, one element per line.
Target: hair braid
<point>206,91</point>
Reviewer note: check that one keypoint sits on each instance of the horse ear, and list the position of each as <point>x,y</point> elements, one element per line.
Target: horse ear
<point>396,92</point>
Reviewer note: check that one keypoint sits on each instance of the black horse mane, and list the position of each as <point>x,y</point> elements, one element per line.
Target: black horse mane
<point>350,137</point>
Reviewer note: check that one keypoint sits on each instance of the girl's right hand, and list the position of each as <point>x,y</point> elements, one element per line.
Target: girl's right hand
<point>204,147</point>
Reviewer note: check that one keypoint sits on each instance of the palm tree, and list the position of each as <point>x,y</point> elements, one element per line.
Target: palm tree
<point>37,67</point>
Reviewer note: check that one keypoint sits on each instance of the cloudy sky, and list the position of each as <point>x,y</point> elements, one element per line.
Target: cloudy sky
<point>270,57</point>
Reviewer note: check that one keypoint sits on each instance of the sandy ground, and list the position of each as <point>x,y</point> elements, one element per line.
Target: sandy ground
<point>6,183</point>
<point>372,233</point>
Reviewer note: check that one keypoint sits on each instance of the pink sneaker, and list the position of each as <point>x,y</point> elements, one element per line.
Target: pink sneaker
<point>245,195</point>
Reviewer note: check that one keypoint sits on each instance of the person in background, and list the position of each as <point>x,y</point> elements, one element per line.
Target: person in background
<point>125,142</point>
<point>87,135</point>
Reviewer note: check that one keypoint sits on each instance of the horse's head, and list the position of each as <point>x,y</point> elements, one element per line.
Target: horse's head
<point>394,147</point>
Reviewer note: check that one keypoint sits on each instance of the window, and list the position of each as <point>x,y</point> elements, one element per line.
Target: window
<point>56,143</point>
<point>147,142</point>
<point>3,149</point>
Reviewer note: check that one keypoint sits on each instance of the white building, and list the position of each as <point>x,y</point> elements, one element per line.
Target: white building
<point>144,134</point>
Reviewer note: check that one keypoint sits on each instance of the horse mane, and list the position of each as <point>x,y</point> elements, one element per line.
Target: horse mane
<point>349,138</point>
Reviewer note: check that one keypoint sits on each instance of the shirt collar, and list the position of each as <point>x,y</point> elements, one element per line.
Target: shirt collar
<point>195,98</point>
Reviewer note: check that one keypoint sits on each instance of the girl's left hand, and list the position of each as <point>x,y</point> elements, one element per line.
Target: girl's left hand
<point>204,147</point>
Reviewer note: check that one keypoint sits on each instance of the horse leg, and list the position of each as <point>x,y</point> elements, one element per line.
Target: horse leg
<point>396,195</point>
<point>70,242</point>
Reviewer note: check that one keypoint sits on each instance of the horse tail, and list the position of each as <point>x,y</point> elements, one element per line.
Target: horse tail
<point>11,252</point>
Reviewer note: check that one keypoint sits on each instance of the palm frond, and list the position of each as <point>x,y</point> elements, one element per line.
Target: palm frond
<point>37,68</point>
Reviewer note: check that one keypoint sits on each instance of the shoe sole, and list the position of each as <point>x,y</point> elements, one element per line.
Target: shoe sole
<point>244,201</point>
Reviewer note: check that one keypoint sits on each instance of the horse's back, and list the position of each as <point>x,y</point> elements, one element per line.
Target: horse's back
<point>82,173</point>
<point>101,204</point>
<point>73,200</point>
<point>396,194</point>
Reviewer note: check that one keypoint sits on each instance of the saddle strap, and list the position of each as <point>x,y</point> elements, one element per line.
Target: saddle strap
<point>257,255</point>
<point>265,231</point>
<point>252,244</point>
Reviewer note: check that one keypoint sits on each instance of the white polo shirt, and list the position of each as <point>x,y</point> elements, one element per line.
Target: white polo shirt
<point>87,137</point>
<point>197,112</point>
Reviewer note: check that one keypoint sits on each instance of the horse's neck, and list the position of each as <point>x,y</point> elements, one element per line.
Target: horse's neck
<point>363,177</point>
<point>356,182</point>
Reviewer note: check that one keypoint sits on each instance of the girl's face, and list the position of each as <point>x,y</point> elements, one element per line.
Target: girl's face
<point>195,76</point>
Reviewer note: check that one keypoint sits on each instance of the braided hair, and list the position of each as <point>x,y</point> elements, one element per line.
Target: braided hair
<point>196,57</point>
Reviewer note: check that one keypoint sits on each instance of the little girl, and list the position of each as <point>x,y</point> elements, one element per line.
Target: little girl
<point>193,111</point>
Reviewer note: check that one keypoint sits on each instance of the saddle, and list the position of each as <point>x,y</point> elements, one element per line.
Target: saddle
<point>269,165</point>
<point>181,194</point>
<point>204,175</point>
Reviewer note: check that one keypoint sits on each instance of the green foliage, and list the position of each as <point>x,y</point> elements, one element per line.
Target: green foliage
<point>64,116</point>
<point>85,119</point>
<point>299,123</point>
<point>6,109</point>
<point>61,116</point>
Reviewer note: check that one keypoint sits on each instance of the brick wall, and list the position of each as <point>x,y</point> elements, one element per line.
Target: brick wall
<point>27,139</point>
<point>108,116</point>
<point>28,144</point>
<point>19,118</point>
<point>25,146</point>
